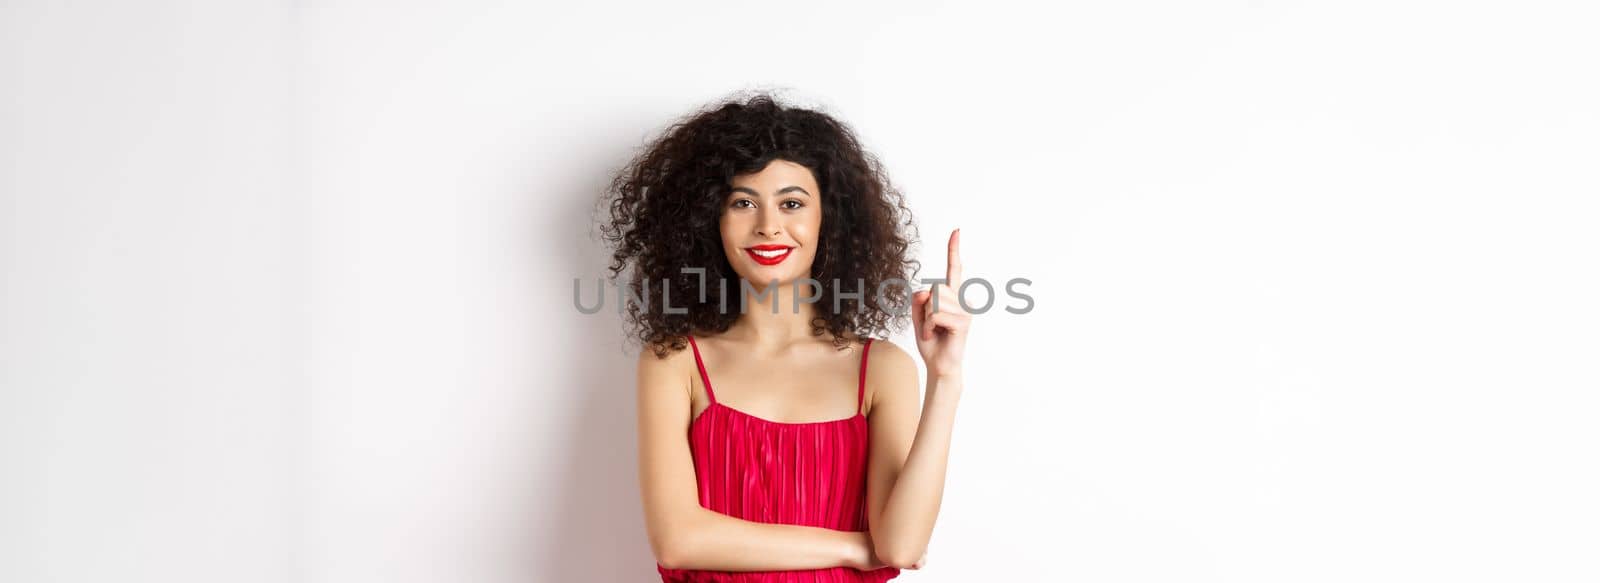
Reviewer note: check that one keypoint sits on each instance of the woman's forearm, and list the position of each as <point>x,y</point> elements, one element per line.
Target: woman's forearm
<point>719,542</point>
<point>912,506</point>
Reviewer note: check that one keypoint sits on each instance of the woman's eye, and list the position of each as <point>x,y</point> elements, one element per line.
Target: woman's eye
<point>741,203</point>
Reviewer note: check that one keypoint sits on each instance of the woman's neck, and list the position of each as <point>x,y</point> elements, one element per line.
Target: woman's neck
<point>762,328</point>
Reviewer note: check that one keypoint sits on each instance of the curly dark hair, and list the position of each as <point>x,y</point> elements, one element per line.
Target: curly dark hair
<point>665,206</point>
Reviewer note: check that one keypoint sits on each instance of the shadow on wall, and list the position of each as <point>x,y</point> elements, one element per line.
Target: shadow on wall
<point>591,527</point>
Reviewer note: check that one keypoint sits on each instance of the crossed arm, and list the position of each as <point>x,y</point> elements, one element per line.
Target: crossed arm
<point>685,535</point>
<point>905,478</point>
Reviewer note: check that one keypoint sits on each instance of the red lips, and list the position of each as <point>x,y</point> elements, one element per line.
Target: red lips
<point>774,254</point>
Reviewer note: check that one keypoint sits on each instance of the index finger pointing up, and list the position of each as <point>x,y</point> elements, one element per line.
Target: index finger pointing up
<point>953,268</point>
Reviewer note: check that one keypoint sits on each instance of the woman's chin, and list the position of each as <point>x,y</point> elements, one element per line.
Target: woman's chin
<point>761,279</point>
<point>764,276</point>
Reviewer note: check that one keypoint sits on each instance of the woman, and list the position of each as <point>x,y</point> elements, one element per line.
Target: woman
<point>774,244</point>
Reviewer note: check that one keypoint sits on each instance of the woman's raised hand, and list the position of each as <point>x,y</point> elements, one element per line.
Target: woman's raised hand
<point>942,332</point>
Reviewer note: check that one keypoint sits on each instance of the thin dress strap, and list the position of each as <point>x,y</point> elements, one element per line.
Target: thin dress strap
<point>704,378</point>
<point>861,391</point>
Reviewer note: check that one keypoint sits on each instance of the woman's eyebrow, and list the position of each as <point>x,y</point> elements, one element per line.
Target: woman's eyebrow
<point>752,192</point>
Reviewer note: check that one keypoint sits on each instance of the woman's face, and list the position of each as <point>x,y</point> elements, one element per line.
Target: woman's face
<point>770,223</point>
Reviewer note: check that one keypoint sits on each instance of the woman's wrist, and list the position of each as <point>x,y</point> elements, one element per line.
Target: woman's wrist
<point>858,553</point>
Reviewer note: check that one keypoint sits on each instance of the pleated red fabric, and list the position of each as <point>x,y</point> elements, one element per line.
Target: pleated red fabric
<point>812,474</point>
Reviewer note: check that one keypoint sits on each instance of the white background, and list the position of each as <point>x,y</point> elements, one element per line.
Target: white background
<point>288,285</point>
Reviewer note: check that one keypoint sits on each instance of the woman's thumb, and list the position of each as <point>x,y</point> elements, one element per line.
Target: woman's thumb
<point>917,300</point>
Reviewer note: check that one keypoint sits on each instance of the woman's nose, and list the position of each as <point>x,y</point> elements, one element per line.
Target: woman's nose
<point>768,227</point>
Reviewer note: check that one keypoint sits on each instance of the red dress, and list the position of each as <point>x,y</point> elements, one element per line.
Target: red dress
<point>812,474</point>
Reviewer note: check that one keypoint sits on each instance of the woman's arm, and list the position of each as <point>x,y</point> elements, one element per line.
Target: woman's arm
<point>719,542</point>
<point>906,476</point>
<point>685,535</point>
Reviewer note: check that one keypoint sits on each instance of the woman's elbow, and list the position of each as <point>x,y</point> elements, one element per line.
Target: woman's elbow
<point>669,553</point>
<point>899,557</point>
<point>671,549</point>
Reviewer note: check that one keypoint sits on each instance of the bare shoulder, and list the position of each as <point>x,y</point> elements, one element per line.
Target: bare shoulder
<point>662,373</point>
<point>886,353</point>
<point>891,372</point>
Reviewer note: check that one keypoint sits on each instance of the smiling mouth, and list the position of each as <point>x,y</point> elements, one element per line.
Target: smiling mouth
<point>769,254</point>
